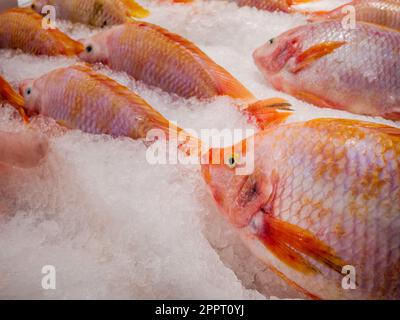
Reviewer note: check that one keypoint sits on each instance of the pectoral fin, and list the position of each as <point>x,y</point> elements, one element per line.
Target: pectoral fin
<point>8,94</point>
<point>308,57</point>
<point>297,247</point>
<point>269,111</point>
<point>135,9</point>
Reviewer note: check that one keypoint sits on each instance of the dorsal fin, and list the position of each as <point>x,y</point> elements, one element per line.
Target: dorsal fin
<point>374,127</point>
<point>226,84</point>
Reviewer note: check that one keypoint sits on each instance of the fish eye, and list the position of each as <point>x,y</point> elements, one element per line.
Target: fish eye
<point>28,91</point>
<point>89,48</point>
<point>271,41</point>
<point>33,6</point>
<point>232,161</point>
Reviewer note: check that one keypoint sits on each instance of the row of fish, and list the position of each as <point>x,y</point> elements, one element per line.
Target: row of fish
<point>324,193</point>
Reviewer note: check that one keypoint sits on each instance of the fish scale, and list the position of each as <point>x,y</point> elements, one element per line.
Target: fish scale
<point>331,206</point>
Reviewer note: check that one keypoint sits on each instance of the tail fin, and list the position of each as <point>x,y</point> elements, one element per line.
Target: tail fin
<point>269,111</point>
<point>8,94</point>
<point>135,9</point>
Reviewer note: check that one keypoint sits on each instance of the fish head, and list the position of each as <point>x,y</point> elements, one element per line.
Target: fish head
<point>96,48</point>
<point>274,55</point>
<point>38,5</point>
<point>239,196</point>
<point>31,93</point>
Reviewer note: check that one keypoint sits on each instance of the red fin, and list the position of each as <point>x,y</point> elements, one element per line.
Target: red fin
<point>313,99</point>
<point>226,84</point>
<point>70,46</point>
<point>135,9</point>
<point>8,94</point>
<point>292,245</point>
<point>294,284</point>
<point>269,111</point>
<point>314,53</point>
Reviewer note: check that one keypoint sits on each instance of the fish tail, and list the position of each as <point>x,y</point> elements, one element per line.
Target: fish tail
<point>8,94</point>
<point>269,111</point>
<point>135,9</point>
<point>70,47</point>
<point>187,143</point>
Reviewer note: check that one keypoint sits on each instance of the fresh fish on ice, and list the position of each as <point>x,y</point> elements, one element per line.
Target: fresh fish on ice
<point>324,195</point>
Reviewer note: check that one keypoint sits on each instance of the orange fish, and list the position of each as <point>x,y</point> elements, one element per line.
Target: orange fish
<point>352,69</point>
<point>321,205</point>
<point>163,59</point>
<point>21,28</point>
<point>97,13</point>
<point>79,98</point>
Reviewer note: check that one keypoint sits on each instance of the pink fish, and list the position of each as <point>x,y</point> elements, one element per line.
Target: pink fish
<point>321,207</point>
<point>323,63</point>
<point>163,59</point>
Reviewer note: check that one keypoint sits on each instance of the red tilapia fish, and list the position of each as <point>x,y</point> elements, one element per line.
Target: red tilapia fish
<point>162,59</point>
<point>321,207</point>
<point>22,29</point>
<point>98,13</point>
<point>356,70</point>
<point>79,98</point>
<point>382,12</point>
